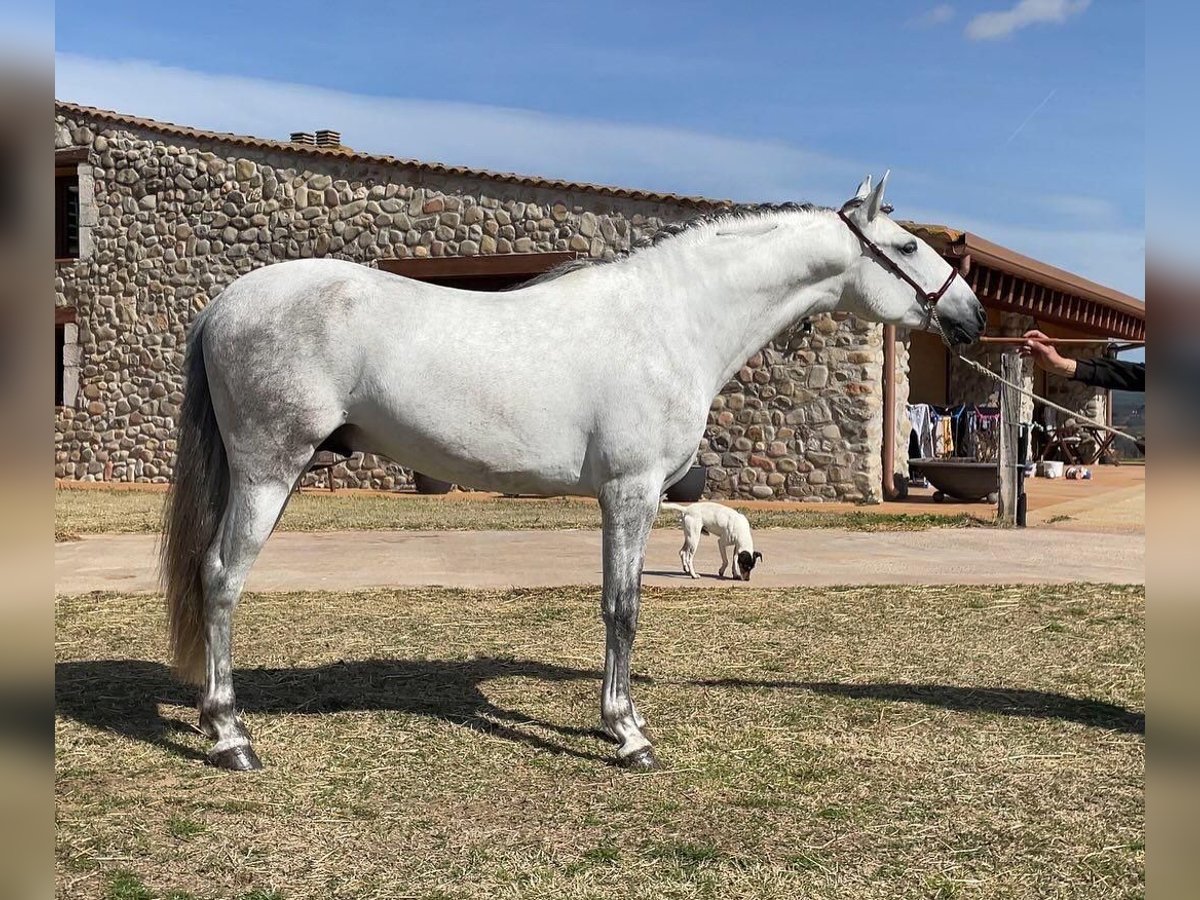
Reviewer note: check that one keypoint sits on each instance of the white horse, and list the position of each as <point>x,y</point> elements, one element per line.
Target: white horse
<point>595,381</point>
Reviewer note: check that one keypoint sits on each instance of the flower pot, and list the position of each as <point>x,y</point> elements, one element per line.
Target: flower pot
<point>690,487</point>
<point>426,485</point>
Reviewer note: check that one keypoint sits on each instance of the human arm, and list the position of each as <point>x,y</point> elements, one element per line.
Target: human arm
<point>1115,374</point>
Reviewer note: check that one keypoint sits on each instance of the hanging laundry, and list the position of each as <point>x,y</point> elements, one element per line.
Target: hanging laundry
<point>920,415</point>
<point>987,434</point>
<point>965,431</point>
<point>943,432</point>
<point>962,418</point>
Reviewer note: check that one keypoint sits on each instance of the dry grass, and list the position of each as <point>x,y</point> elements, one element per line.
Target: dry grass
<point>960,742</point>
<point>78,512</point>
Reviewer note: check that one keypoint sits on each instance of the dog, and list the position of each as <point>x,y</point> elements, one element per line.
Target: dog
<point>730,528</point>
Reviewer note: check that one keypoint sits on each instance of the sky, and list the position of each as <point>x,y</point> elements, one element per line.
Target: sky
<point>1019,120</point>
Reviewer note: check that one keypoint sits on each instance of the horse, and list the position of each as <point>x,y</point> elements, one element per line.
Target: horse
<point>595,380</point>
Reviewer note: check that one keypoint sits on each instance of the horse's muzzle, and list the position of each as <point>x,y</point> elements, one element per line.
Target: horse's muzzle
<point>963,327</point>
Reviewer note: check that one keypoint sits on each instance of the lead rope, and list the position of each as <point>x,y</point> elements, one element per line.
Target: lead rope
<point>984,370</point>
<point>1092,423</point>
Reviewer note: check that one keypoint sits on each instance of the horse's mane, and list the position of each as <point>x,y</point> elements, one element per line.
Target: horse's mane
<point>668,230</point>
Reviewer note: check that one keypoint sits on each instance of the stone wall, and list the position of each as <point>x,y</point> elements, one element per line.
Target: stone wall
<point>171,220</point>
<point>802,419</point>
<point>970,386</point>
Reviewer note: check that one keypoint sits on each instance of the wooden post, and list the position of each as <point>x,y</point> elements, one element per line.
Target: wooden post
<point>1010,437</point>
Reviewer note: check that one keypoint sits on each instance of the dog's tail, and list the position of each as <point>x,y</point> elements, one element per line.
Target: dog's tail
<point>674,507</point>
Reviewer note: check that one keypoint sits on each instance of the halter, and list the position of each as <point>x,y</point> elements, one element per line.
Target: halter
<point>928,298</point>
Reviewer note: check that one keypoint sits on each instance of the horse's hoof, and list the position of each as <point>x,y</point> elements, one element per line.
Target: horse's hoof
<point>642,760</point>
<point>240,758</point>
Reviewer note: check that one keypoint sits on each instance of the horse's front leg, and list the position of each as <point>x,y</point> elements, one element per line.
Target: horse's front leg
<point>628,510</point>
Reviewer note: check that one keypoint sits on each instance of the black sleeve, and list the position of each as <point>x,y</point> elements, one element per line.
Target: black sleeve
<point>1116,374</point>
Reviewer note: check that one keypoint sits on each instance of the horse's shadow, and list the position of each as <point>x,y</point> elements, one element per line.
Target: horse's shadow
<point>992,699</point>
<point>123,696</point>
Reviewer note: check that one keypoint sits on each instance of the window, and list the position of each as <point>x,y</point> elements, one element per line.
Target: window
<point>66,214</point>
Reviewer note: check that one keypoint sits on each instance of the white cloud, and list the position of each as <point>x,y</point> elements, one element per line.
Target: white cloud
<point>992,26</point>
<point>1092,210</point>
<point>937,15</point>
<point>652,157</point>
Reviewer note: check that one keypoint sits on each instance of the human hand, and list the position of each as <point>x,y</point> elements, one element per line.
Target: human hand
<point>1038,347</point>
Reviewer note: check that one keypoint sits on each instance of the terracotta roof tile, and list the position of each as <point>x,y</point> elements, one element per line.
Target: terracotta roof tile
<point>345,153</point>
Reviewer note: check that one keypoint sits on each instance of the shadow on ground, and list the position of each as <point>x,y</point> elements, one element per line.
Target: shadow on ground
<point>123,696</point>
<point>995,700</point>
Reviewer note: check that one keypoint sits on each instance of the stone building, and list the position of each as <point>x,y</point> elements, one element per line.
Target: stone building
<point>154,220</point>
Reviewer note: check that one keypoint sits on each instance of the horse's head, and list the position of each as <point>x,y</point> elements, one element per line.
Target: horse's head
<point>899,279</point>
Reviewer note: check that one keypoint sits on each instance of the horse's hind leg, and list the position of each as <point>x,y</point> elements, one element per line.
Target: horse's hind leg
<point>251,512</point>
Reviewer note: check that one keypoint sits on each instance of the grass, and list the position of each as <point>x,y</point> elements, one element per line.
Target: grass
<point>126,885</point>
<point>80,512</point>
<point>184,829</point>
<point>904,742</point>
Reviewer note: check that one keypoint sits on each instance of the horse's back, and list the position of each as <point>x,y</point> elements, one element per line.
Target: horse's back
<point>432,377</point>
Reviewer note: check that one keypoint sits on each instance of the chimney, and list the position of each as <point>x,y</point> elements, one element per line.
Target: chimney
<point>303,137</point>
<point>327,137</point>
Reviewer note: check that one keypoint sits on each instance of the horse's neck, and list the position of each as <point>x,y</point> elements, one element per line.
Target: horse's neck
<point>737,292</point>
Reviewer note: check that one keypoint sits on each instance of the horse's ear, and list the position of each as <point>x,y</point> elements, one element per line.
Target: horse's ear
<point>860,196</point>
<point>875,200</point>
<point>856,205</point>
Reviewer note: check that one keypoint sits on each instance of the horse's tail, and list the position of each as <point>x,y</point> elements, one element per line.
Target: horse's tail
<point>193,513</point>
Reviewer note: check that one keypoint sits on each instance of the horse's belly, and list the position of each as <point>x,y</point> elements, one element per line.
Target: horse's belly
<point>482,455</point>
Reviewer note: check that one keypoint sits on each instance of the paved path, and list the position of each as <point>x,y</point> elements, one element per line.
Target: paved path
<point>348,560</point>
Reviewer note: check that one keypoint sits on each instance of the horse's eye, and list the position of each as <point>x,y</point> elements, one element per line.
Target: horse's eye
<point>909,249</point>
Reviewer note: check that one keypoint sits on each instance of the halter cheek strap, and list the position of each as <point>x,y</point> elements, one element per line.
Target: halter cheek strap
<point>929,298</point>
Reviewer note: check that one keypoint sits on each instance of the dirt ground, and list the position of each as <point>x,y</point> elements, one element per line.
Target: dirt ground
<point>1079,531</point>
<point>352,560</point>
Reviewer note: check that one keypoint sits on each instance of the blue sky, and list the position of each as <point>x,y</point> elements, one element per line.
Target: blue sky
<point>1022,120</point>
